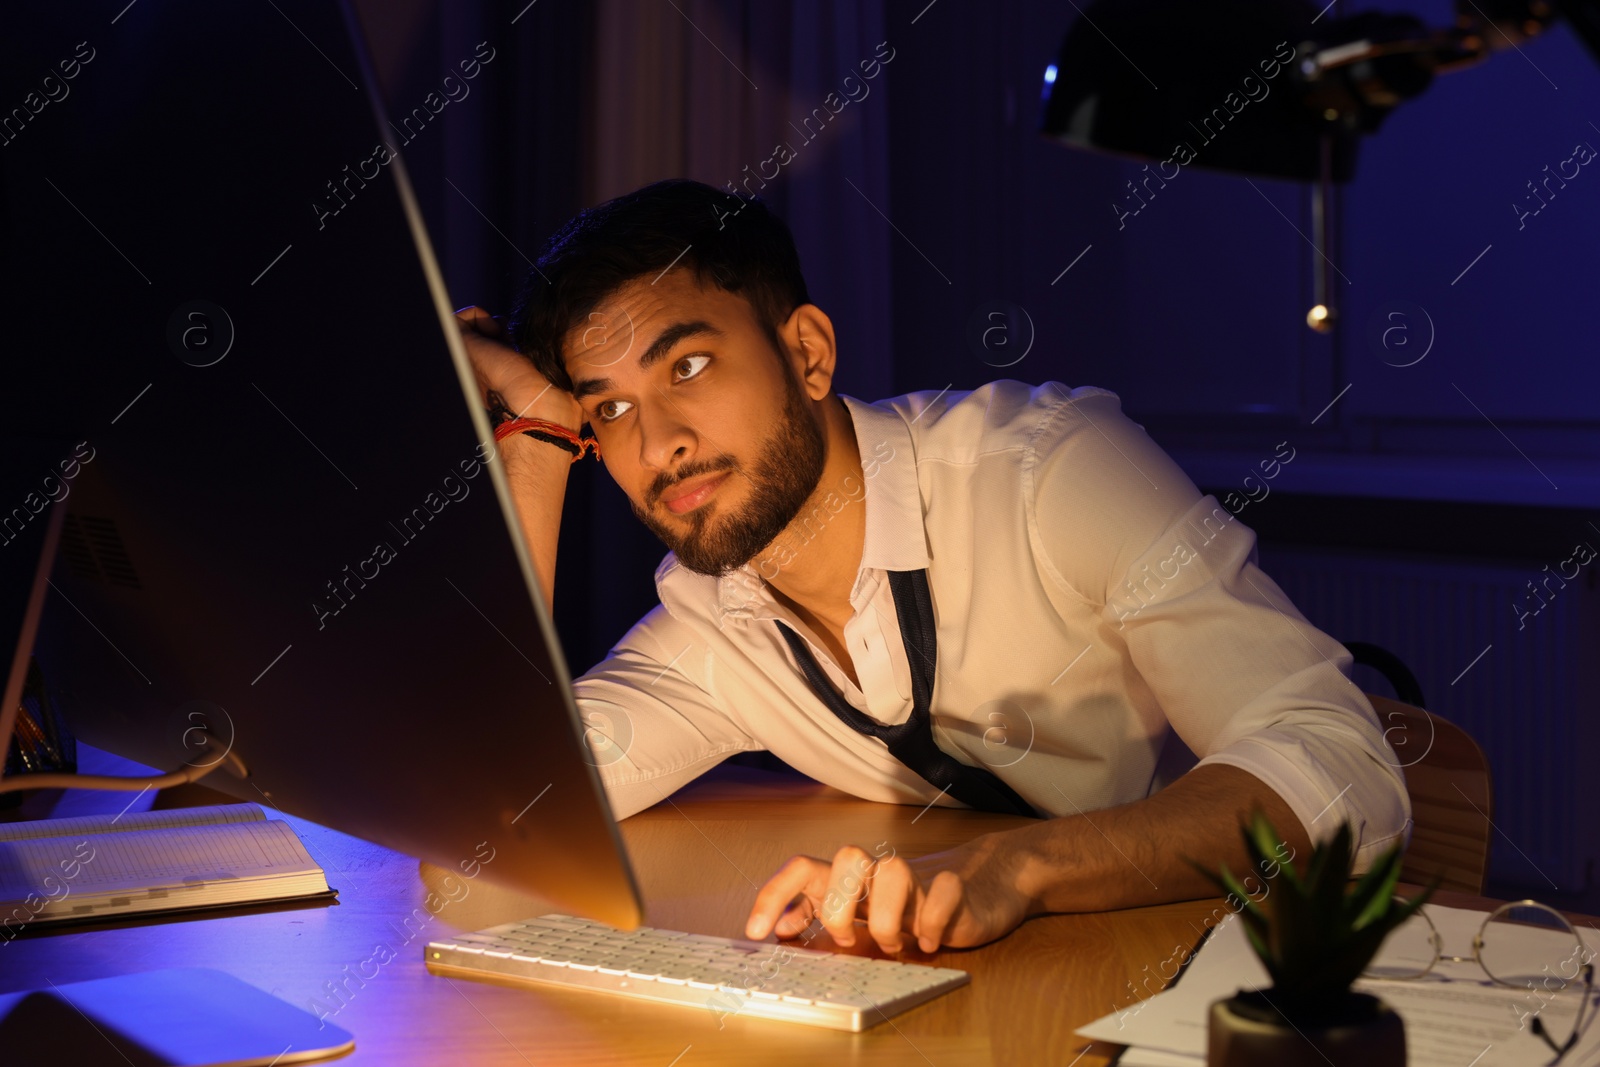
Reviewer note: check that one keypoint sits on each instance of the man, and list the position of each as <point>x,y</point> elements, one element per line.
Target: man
<point>1009,597</point>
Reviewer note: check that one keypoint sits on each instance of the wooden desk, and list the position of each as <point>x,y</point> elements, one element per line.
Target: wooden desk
<point>699,858</point>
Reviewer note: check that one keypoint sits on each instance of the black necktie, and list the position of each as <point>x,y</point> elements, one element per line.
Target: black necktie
<point>911,742</point>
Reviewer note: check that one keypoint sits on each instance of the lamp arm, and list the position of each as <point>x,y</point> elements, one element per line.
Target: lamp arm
<point>1447,50</point>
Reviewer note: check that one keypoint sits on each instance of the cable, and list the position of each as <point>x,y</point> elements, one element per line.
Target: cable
<point>129,783</point>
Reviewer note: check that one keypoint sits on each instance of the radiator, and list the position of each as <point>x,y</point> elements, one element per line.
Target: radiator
<point>1514,665</point>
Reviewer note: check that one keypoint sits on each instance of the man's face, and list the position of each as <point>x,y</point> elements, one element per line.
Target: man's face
<point>704,426</point>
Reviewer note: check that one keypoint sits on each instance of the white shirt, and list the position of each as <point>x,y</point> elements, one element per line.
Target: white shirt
<point>1090,604</point>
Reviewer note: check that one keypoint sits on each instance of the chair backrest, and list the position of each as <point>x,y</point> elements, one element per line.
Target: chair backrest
<point>1452,796</point>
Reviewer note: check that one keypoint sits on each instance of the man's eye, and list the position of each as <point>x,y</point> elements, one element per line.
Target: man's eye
<point>695,363</point>
<point>611,410</point>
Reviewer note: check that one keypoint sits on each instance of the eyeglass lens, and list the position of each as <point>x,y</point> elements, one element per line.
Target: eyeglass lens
<point>1408,952</point>
<point>1531,946</point>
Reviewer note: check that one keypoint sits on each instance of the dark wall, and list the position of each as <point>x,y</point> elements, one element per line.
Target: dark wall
<point>1194,307</point>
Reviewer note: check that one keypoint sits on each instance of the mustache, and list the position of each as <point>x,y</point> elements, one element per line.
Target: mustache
<point>665,481</point>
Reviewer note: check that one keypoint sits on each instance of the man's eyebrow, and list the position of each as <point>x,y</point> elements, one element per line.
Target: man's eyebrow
<point>664,343</point>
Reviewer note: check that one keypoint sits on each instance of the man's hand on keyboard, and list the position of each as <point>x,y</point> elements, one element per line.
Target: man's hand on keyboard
<point>967,896</point>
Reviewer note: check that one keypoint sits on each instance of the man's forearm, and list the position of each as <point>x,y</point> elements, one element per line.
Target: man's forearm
<point>537,474</point>
<point>536,471</point>
<point>1138,853</point>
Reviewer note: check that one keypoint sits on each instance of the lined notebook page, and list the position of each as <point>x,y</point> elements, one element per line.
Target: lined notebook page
<point>247,857</point>
<point>77,827</point>
<point>183,855</point>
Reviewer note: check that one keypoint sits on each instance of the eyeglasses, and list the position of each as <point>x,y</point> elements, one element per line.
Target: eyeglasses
<point>1523,945</point>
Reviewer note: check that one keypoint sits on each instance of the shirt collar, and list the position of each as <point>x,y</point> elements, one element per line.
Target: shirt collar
<point>895,538</point>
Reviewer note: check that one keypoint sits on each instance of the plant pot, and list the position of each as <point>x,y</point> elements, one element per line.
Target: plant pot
<point>1357,1031</point>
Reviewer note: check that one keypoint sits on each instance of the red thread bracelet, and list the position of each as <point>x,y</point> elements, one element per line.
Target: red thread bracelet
<point>515,426</point>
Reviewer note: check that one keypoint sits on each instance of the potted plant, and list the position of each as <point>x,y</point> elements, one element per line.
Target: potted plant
<point>1315,934</point>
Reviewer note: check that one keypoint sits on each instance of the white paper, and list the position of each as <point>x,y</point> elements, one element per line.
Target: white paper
<point>1454,1017</point>
<point>1152,1057</point>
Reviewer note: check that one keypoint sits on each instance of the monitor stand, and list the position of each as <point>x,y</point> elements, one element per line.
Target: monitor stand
<point>31,474</point>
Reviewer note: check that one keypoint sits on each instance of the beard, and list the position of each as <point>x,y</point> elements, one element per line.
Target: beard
<point>785,474</point>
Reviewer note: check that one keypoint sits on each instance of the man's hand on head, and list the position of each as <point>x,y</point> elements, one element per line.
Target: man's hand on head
<point>967,896</point>
<point>506,375</point>
<point>509,386</point>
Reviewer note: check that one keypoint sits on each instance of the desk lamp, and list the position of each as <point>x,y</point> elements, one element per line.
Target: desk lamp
<point>1266,87</point>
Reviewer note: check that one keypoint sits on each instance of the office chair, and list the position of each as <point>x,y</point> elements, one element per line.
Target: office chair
<point>1447,777</point>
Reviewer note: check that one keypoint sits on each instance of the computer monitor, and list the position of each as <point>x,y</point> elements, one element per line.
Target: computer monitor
<point>283,533</point>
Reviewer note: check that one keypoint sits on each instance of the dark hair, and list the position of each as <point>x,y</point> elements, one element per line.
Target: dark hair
<point>733,242</point>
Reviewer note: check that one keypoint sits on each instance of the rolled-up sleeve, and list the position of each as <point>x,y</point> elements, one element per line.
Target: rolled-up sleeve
<point>1247,681</point>
<point>1239,673</point>
<point>651,722</point>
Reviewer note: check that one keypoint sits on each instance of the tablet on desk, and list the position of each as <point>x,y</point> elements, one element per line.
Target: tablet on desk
<point>186,1017</point>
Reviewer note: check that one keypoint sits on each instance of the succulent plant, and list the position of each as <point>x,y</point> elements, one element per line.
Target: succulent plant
<point>1314,935</point>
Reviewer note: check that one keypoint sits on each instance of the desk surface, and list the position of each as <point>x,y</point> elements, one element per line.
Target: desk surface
<point>699,858</point>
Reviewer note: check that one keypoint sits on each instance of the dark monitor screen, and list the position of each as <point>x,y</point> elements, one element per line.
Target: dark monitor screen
<point>281,535</point>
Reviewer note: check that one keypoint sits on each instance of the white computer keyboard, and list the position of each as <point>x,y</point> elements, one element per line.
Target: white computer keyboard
<point>714,974</point>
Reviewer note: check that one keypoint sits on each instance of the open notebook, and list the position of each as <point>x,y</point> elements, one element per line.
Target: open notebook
<point>92,867</point>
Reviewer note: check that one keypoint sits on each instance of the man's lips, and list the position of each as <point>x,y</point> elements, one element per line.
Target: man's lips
<point>686,496</point>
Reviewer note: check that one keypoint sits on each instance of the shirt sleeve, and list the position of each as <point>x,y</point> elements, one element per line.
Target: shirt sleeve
<point>1241,675</point>
<point>651,723</point>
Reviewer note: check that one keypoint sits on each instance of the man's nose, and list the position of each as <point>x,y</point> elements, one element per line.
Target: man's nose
<point>666,438</point>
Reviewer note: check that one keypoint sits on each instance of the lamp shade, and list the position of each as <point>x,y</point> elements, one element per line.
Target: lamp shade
<point>1213,83</point>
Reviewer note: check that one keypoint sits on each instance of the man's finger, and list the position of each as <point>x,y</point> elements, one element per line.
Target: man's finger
<point>795,918</point>
<point>893,885</point>
<point>801,874</point>
<point>481,322</point>
<point>847,885</point>
<point>938,908</point>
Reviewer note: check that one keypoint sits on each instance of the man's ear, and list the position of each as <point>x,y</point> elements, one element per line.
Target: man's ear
<point>807,336</point>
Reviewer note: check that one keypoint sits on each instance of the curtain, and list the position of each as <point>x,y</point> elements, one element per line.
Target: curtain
<point>582,102</point>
